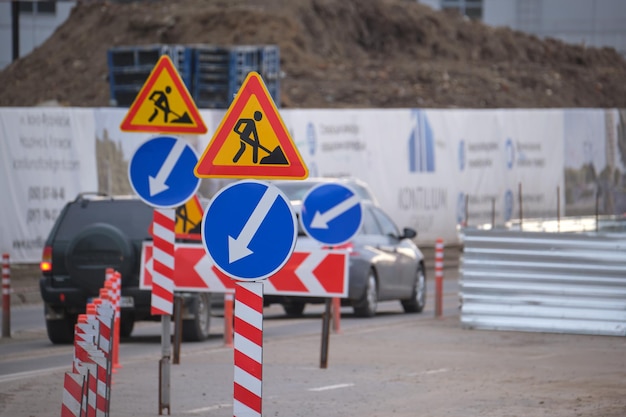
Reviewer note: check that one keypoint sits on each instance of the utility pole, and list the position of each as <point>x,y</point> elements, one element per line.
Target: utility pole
<point>15,29</point>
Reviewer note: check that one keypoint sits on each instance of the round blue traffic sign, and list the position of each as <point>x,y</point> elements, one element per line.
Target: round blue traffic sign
<point>161,172</point>
<point>331,213</point>
<point>249,230</point>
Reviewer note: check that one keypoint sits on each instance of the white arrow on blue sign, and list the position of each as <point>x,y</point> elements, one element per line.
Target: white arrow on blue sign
<point>249,230</point>
<point>331,213</point>
<point>161,172</point>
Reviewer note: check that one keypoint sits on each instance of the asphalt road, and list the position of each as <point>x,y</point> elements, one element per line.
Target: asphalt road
<point>393,364</point>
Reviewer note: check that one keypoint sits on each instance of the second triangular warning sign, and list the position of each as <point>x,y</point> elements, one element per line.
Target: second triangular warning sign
<point>252,141</point>
<point>163,104</point>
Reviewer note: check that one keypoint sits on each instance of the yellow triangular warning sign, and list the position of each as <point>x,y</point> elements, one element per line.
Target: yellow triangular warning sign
<point>252,141</point>
<point>163,104</point>
<point>189,219</point>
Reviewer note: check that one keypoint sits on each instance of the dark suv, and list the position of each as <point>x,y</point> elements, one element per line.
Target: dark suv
<point>92,233</point>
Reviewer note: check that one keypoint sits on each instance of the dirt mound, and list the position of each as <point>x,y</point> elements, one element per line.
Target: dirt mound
<point>349,53</point>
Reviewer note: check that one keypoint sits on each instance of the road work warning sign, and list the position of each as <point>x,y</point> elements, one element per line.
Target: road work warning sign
<point>252,141</point>
<point>163,104</point>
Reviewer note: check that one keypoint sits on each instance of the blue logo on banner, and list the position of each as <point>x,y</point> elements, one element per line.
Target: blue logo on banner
<point>161,172</point>
<point>311,138</point>
<point>508,205</point>
<point>249,230</point>
<point>509,150</point>
<point>421,144</point>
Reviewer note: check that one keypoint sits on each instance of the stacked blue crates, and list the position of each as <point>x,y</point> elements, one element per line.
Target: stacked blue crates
<point>130,66</point>
<point>270,70</point>
<point>220,71</point>
<point>212,74</point>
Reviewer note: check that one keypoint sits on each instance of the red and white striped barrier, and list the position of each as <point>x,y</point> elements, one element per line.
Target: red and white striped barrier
<point>72,395</point>
<point>438,277</point>
<point>115,294</point>
<point>84,350</point>
<point>87,389</point>
<point>248,349</point>
<point>106,316</point>
<point>164,236</point>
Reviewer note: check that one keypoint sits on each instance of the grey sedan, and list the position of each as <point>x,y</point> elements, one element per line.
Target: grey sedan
<point>384,263</point>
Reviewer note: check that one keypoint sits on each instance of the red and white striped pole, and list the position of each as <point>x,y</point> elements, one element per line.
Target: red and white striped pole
<point>6,296</point>
<point>162,303</point>
<point>438,277</point>
<point>248,349</point>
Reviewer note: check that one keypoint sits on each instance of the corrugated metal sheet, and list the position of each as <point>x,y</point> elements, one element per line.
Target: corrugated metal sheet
<point>544,282</point>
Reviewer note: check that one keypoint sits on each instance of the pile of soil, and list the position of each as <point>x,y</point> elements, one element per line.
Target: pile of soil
<point>334,54</point>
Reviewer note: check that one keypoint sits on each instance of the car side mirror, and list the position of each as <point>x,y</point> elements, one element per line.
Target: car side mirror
<point>408,233</point>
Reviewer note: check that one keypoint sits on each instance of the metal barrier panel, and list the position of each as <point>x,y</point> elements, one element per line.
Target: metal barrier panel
<point>543,282</point>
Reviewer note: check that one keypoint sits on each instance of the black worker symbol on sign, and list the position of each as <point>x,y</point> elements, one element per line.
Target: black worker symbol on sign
<point>248,136</point>
<point>187,224</point>
<point>162,104</point>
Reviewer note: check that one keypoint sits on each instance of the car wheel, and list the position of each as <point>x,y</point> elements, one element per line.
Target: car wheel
<point>197,328</point>
<point>61,331</point>
<point>293,308</point>
<point>367,304</point>
<point>416,303</point>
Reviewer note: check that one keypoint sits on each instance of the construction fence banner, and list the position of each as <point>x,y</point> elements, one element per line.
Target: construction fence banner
<point>47,157</point>
<point>430,169</point>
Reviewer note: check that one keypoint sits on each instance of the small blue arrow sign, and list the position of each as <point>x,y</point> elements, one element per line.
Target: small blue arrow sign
<point>249,230</point>
<point>161,172</point>
<point>331,213</point>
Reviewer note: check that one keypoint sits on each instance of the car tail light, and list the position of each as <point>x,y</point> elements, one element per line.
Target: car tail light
<point>46,259</point>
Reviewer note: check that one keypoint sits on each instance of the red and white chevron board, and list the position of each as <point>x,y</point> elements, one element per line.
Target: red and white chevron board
<point>311,273</point>
<point>163,266</point>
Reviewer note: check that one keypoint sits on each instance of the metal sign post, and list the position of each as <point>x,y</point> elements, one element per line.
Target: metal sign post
<point>325,334</point>
<point>332,215</point>
<point>161,174</point>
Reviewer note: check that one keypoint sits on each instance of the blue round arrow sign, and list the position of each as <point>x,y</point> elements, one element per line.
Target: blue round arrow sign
<point>249,230</point>
<point>331,213</point>
<point>161,172</point>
